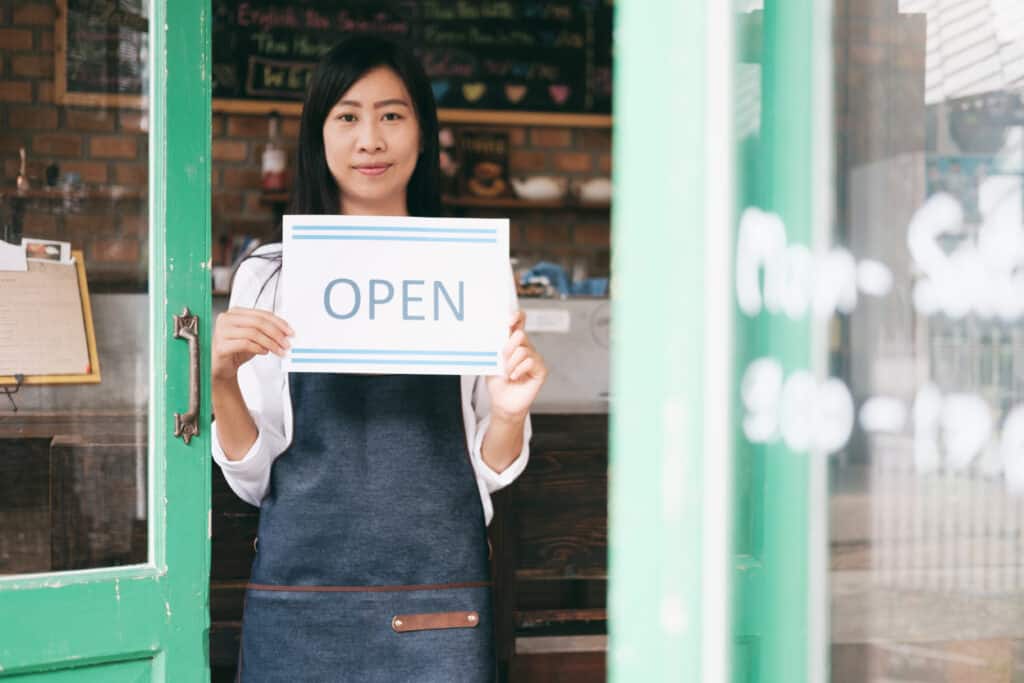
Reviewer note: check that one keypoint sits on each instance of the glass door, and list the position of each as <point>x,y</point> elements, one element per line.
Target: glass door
<point>788,415</point>
<point>878,258</point>
<point>926,514</point>
<point>104,475</point>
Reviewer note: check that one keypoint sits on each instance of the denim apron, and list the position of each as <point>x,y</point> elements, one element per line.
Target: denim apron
<point>372,560</point>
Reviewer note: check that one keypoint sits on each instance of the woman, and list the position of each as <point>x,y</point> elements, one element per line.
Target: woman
<point>374,490</point>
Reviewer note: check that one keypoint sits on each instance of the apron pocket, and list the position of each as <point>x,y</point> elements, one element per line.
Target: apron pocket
<point>310,634</point>
<point>403,623</point>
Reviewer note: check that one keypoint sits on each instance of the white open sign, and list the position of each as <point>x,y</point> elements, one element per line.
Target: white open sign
<point>377,294</point>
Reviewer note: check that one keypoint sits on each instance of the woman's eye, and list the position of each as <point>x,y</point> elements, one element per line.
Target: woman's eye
<point>392,116</point>
<point>347,118</point>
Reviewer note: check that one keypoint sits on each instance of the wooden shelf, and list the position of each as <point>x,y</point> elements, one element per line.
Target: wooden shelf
<point>92,424</point>
<point>487,203</point>
<point>112,193</point>
<point>502,202</point>
<point>274,198</point>
<point>524,204</point>
<point>538,618</point>
<point>470,116</point>
<point>593,574</point>
<point>545,645</point>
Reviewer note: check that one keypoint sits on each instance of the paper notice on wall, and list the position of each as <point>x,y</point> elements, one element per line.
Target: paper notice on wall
<point>12,257</point>
<point>46,250</point>
<point>42,331</point>
<point>549,320</point>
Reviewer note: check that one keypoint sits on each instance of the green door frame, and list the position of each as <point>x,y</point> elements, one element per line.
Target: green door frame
<point>688,599</point>
<point>669,554</point>
<point>151,621</point>
<point>780,589</point>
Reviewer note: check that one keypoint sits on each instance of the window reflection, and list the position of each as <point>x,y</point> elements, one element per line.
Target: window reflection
<point>73,455</point>
<point>926,512</point>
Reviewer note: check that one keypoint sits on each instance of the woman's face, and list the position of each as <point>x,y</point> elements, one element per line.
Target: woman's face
<point>372,143</point>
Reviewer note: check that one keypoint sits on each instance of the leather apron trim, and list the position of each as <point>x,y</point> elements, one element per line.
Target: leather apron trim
<point>403,623</point>
<point>367,589</point>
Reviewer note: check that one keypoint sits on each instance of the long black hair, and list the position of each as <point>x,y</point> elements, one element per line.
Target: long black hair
<point>315,190</point>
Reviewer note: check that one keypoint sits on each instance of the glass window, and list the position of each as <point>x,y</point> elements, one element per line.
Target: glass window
<point>925,498</point>
<point>73,450</point>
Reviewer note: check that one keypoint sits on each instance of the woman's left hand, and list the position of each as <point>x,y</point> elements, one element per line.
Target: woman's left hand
<point>513,392</point>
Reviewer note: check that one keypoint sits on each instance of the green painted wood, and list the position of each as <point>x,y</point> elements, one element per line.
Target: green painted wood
<point>660,374</point>
<point>773,515</point>
<point>138,671</point>
<point>148,622</point>
<point>180,185</point>
<point>656,467</point>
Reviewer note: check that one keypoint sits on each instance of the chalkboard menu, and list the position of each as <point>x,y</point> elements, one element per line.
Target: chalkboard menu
<point>488,60</point>
<point>101,48</point>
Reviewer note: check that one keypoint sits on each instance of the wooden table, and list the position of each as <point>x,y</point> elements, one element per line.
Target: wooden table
<point>72,491</point>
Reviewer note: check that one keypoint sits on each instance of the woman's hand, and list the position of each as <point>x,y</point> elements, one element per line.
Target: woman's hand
<point>241,333</point>
<point>513,392</point>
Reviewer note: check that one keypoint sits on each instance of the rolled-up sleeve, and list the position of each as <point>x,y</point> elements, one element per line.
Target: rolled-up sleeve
<point>481,416</point>
<point>262,383</point>
<point>493,480</point>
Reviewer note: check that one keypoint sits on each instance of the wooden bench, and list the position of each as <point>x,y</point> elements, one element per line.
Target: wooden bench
<point>550,566</point>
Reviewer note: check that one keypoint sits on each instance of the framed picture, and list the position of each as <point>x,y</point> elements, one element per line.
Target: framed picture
<point>46,250</point>
<point>483,164</point>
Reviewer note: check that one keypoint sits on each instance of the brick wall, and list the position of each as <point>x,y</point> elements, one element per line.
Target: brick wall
<point>562,235</point>
<point>108,148</point>
<point>105,147</point>
<point>879,72</point>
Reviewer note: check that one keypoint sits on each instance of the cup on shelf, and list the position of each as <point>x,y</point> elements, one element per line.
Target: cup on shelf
<point>540,188</point>
<point>594,190</point>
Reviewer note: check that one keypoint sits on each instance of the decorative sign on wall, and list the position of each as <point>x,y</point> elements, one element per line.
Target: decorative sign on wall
<point>488,60</point>
<point>396,295</point>
<point>101,51</point>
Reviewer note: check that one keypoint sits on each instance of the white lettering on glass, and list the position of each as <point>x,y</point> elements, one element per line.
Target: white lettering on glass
<point>795,280</point>
<point>982,275</point>
<point>807,415</point>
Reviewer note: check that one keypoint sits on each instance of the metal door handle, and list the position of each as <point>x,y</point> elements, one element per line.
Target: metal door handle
<point>186,326</point>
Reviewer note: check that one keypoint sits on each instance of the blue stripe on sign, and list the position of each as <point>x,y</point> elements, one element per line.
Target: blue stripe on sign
<point>375,238</point>
<point>392,361</point>
<point>397,352</point>
<point>376,228</point>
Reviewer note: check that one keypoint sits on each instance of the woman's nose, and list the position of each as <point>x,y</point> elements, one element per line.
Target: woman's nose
<point>370,138</point>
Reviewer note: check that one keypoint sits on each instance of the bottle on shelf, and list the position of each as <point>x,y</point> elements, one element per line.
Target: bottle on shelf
<point>275,159</point>
<point>22,182</point>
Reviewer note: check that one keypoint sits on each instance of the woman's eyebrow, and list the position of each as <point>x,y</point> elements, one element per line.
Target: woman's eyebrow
<point>376,105</point>
<point>390,102</point>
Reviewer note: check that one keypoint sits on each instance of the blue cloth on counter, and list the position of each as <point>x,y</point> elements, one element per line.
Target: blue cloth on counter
<point>552,272</point>
<point>556,276</point>
<point>593,286</point>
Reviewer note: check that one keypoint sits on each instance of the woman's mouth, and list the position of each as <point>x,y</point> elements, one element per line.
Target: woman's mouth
<point>372,169</point>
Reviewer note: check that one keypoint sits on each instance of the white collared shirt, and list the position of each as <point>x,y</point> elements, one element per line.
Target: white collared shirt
<point>264,386</point>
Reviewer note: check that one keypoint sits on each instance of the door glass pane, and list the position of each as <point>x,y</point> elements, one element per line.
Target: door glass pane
<point>926,505</point>
<point>73,139</point>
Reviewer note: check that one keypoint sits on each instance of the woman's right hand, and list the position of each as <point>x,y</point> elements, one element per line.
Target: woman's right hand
<point>241,333</point>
